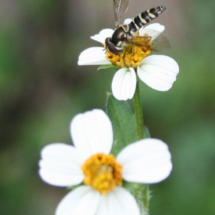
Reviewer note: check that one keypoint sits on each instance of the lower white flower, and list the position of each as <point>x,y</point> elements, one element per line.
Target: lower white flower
<point>157,71</point>
<point>145,161</point>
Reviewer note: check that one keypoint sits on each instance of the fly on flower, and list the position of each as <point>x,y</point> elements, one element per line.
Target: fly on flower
<point>128,45</point>
<point>128,48</point>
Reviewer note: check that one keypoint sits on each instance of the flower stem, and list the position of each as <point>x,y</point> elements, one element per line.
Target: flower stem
<point>143,195</point>
<point>138,112</point>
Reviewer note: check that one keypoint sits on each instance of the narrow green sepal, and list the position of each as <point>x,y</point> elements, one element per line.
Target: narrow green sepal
<point>111,66</point>
<point>141,193</point>
<point>123,122</point>
<point>146,196</point>
<point>73,187</point>
<point>146,132</point>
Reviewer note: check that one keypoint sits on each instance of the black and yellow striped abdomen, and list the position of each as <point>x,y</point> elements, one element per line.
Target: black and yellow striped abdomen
<point>144,18</point>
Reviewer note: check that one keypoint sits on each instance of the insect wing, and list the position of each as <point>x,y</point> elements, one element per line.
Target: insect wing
<point>153,33</point>
<point>140,41</point>
<point>119,7</point>
<point>161,43</point>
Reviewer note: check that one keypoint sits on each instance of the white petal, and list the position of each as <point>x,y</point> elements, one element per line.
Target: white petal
<point>158,72</point>
<point>146,161</point>
<point>61,165</point>
<point>118,202</point>
<point>124,84</point>
<point>152,30</point>
<point>102,35</point>
<point>81,201</point>
<point>92,132</point>
<point>93,56</point>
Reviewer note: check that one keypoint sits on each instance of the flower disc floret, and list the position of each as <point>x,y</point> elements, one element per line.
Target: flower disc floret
<point>102,172</point>
<point>132,53</point>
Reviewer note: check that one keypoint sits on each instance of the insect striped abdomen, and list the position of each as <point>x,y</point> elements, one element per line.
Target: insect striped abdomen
<point>145,17</point>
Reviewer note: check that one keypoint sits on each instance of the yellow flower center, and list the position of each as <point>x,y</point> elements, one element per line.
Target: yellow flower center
<point>133,52</point>
<point>102,172</point>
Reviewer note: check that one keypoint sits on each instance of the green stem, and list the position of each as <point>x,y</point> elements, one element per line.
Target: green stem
<point>143,193</point>
<point>138,112</point>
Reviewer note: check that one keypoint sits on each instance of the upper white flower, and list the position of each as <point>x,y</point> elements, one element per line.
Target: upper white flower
<point>145,161</point>
<point>157,71</point>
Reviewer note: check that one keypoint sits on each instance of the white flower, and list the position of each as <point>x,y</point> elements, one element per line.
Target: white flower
<point>157,71</point>
<point>145,161</point>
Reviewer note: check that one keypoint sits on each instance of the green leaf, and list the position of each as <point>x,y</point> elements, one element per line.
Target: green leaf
<point>123,121</point>
<point>111,66</point>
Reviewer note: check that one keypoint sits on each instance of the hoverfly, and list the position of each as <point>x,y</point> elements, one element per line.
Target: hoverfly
<point>126,34</point>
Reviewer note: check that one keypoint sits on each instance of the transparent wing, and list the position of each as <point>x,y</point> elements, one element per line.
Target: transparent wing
<point>119,7</point>
<point>161,43</point>
<point>139,41</point>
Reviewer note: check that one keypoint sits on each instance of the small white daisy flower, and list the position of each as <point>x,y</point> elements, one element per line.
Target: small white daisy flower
<point>89,162</point>
<point>157,71</point>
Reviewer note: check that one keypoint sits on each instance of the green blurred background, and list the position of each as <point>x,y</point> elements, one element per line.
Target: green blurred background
<point>42,88</point>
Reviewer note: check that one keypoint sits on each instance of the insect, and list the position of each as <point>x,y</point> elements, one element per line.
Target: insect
<point>126,34</point>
